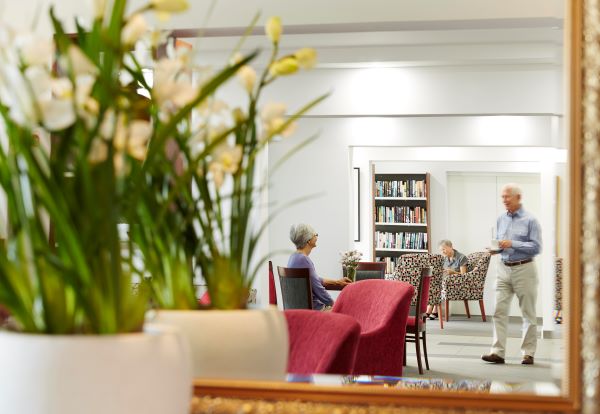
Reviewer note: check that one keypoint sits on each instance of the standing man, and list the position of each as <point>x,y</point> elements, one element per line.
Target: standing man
<point>519,241</point>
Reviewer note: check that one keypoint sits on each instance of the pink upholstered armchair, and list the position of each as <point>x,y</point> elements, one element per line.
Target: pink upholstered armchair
<point>381,308</point>
<point>409,270</point>
<point>468,286</point>
<point>321,342</point>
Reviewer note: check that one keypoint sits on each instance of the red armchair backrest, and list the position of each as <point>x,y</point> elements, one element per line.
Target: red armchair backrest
<point>272,292</point>
<point>381,308</point>
<point>321,342</point>
<point>371,302</point>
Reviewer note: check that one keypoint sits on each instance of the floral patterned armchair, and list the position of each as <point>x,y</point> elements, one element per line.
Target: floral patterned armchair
<point>558,276</point>
<point>468,286</point>
<point>409,268</point>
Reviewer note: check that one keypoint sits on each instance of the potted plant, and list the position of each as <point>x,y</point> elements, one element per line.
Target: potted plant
<point>210,191</point>
<point>76,341</point>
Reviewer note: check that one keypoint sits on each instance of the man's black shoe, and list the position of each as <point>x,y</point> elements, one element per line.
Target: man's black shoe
<point>527,360</point>
<point>494,359</point>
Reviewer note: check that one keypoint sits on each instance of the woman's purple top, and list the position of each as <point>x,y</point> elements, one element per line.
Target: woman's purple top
<point>320,297</point>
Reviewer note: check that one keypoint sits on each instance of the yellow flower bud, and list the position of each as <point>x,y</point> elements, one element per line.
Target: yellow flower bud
<point>284,66</point>
<point>169,6</point>
<point>273,28</point>
<point>307,57</point>
<point>238,115</point>
<point>247,76</point>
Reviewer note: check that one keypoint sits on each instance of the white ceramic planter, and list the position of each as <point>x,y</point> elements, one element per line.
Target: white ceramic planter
<point>95,374</point>
<point>234,344</point>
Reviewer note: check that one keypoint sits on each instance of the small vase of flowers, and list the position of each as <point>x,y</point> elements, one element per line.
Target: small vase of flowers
<point>349,261</point>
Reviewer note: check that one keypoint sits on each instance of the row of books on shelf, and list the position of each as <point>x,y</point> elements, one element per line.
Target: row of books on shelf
<point>400,188</point>
<point>390,263</point>
<point>401,214</point>
<point>400,240</point>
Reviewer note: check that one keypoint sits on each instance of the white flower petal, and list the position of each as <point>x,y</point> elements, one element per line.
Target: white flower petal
<point>78,62</point>
<point>273,110</point>
<point>57,114</point>
<point>134,29</point>
<point>98,152</point>
<point>35,50</point>
<point>39,81</point>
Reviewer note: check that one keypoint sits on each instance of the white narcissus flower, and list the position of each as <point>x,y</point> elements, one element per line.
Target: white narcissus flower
<point>273,28</point>
<point>53,98</point>
<point>86,105</point>
<point>247,76</point>
<point>216,172</point>
<point>35,50</point>
<point>119,134</point>
<point>272,111</point>
<point>57,114</point>
<point>14,93</point>
<point>62,88</point>
<point>172,84</point>
<point>98,151</point>
<point>99,7</point>
<point>273,119</point>
<point>34,97</point>
<point>119,164</point>
<point>226,159</point>
<point>135,28</point>
<point>169,6</point>
<point>276,124</point>
<point>140,132</point>
<point>78,62</point>
<point>133,138</point>
<point>108,125</point>
<point>215,131</point>
<point>229,157</point>
<point>307,57</point>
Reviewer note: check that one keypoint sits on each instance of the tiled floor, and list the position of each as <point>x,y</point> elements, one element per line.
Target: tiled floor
<point>455,352</point>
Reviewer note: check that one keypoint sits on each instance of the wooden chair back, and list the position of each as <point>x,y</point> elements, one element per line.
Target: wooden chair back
<point>296,291</point>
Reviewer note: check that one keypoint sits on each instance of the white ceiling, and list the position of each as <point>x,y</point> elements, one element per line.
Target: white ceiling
<point>391,33</point>
<point>357,33</point>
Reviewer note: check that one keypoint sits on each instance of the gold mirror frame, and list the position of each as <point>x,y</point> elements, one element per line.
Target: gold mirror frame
<point>582,383</point>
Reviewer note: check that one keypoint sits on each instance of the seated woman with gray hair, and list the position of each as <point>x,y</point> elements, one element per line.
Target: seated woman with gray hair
<point>454,263</point>
<point>304,238</point>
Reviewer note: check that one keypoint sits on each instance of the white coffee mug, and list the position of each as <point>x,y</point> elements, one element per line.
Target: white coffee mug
<point>495,244</point>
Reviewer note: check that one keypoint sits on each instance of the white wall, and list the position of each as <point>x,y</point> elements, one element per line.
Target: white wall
<point>473,207</point>
<point>433,105</point>
<point>351,121</point>
<point>403,140</point>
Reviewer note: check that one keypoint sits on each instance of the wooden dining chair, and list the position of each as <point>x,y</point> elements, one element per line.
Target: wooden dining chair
<point>370,270</point>
<point>415,326</point>
<point>296,291</point>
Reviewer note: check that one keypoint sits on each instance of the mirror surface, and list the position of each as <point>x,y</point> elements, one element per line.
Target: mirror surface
<point>473,96</point>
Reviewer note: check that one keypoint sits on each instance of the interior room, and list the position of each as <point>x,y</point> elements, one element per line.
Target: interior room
<point>429,108</point>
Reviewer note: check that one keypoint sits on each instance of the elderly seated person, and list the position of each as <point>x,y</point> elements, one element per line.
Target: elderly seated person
<point>305,238</point>
<point>454,263</point>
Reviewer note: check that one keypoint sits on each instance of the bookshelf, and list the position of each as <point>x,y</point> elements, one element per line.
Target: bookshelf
<point>401,222</point>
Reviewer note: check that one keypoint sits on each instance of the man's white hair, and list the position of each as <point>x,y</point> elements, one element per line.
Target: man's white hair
<point>514,188</point>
